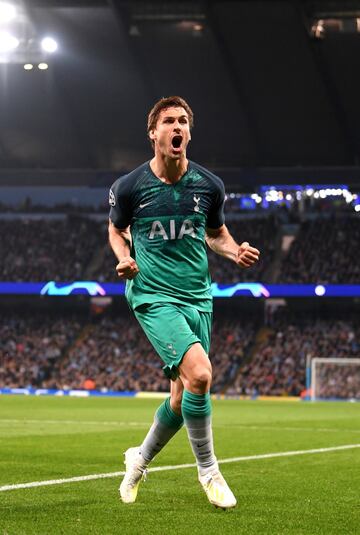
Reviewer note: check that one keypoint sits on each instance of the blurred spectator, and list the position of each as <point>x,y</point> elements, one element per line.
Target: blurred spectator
<point>89,384</point>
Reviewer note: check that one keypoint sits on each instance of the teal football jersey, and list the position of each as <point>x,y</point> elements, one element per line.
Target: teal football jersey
<point>168,224</point>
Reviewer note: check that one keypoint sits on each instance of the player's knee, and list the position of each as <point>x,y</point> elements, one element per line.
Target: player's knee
<point>201,380</point>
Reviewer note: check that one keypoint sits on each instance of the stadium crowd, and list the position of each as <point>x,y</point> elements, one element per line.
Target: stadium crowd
<point>323,252</point>
<point>261,233</point>
<point>63,249</point>
<point>276,366</point>
<point>75,247</point>
<point>31,344</point>
<point>47,249</point>
<point>338,382</point>
<point>112,353</point>
<point>27,206</point>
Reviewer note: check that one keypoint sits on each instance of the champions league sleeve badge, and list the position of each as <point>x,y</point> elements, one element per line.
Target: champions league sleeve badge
<point>112,201</point>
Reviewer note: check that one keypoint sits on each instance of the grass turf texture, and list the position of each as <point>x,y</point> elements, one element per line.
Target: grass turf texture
<point>50,438</point>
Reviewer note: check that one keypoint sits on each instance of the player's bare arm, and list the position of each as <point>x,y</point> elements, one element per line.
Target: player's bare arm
<point>222,243</point>
<point>120,241</point>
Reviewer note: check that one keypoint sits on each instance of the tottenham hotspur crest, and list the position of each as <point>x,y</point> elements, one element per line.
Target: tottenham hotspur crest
<point>111,198</point>
<point>196,201</point>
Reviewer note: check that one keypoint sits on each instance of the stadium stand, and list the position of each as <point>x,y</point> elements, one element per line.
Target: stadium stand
<point>277,363</point>
<point>323,251</point>
<point>262,233</point>
<point>75,247</point>
<point>339,383</point>
<point>112,353</point>
<point>71,248</point>
<point>31,344</point>
<point>47,249</point>
<point>115,355</point>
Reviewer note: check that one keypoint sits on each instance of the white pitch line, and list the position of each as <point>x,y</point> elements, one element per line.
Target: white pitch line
<point>280,428</point>
<point>177,467</point>
<point>74,422</point>
<point>147,424</point>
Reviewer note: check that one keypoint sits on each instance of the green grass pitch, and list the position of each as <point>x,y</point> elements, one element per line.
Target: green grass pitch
<point>44,438</point>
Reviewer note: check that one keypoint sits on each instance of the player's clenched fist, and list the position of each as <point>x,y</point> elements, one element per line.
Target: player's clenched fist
<point>247,255</point>
<point>127,268</point>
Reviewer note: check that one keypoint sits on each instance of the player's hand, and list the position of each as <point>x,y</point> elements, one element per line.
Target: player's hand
<point>127,268</point>
<point>247,255</point>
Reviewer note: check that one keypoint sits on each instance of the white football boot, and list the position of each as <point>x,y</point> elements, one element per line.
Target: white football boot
<point>135,472</point>
<point>217,490</point>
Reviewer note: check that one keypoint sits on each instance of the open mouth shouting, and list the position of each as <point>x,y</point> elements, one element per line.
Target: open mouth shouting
<point>176,143</point>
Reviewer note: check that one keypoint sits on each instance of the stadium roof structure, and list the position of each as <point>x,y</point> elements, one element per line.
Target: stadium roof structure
<point>274,85</point>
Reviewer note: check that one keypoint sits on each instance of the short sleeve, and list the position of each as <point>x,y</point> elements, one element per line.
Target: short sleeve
<point>216,217</point>
<point>120,203</point>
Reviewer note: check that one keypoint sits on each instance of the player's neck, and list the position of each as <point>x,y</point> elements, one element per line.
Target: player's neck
<point>169,170</point>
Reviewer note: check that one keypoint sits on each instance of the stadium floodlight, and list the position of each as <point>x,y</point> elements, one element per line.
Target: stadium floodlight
<point>48,44</point>
<point>43,66</point>
<point>28,66</point>
<point>8,42</point>
<point>7,12</point>
<point>335,378</point>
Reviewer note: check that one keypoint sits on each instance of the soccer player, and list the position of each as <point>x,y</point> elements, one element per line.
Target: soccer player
<point>162,214</point>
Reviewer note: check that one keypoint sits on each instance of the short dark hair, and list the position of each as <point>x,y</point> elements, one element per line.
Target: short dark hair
<point>163,104</point>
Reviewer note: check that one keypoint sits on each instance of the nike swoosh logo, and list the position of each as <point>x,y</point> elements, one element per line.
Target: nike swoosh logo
<point>201,445</point>
<point>145,204</point>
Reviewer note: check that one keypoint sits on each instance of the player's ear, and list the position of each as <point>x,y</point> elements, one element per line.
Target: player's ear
<point>152,135</point>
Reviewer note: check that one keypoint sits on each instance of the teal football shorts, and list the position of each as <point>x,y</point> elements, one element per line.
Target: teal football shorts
<point>172,329</point>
